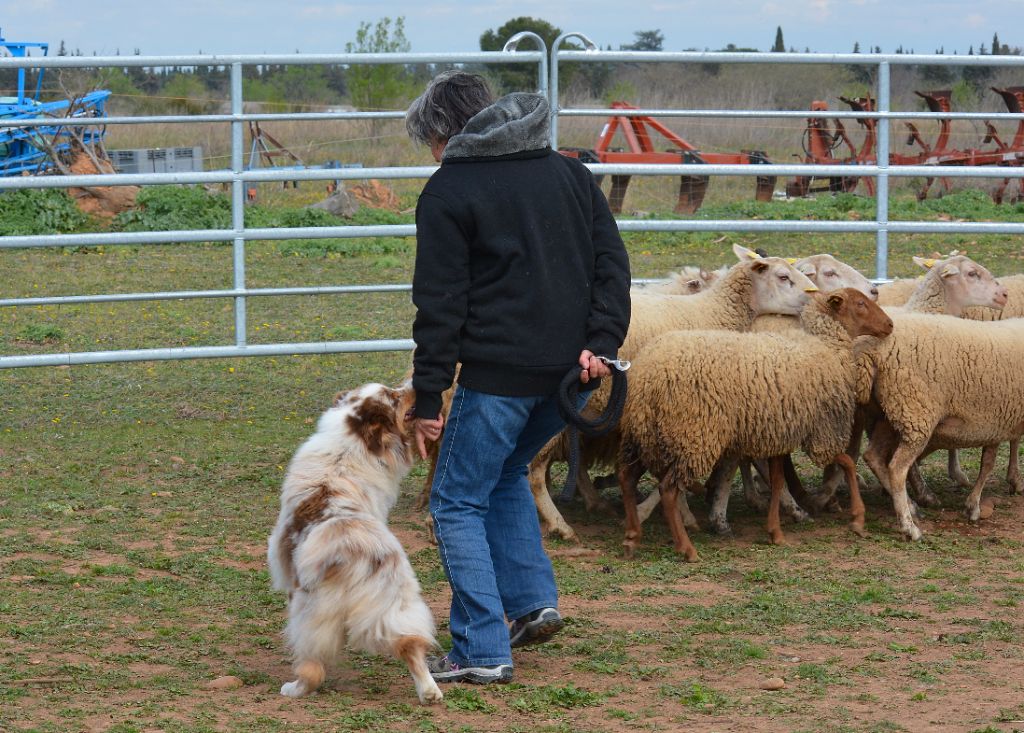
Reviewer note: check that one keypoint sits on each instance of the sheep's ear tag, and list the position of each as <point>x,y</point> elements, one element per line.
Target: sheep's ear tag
<point>950,270</point>
<point>753,255</point>
<point>792,260</point>
<point>926,262</point>
<point>811,289</point>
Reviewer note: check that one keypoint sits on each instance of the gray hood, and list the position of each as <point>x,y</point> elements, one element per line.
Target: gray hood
<point>515,123</point>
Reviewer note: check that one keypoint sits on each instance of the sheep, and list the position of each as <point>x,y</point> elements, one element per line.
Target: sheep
<point>828,274</point>
<point>750,288</point>
<point>781,392</point>
<point>686,281</point>
<point>949,287</point>
<point>943,382</point>
<point>897,291</point>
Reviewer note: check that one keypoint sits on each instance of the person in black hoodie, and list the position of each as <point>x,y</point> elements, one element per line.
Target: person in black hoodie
<point>520,276</point>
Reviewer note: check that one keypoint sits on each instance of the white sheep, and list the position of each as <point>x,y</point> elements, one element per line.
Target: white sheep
<point>780,392</point>
<point>685,281</point>
<point>943,382</point>
<point>752,287</point>
<point>950,287</point>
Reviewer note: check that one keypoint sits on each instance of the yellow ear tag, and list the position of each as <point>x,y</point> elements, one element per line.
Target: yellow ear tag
<point>753,255</point>
<point>792,260</point>
<point>811,289</point>
<point>928,263</point>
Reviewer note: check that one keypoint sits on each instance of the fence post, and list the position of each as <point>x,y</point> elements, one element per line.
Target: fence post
<point>882,189</point>
<point>553,87</point>
<point>238,201</point>
<point>542,68</point>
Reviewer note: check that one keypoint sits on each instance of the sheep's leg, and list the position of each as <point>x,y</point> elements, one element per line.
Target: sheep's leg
<point>647,506</point>
<point>856,503</point>
<point>755,498</point>
<point>834,473</point>
<point>669,490</point>
<point>551,519</point>
<point>879,453</point>
<point>777,480</point>
<point>787,501</point>
<point>591,498</point>
<point>629,475</point>
<point>988,461</point>
<point>1013,467</point>
<point>953,470</point>
<point>918,488</point>
<point>718,490</point>
<point>903,458</point>
<point>793,483</point>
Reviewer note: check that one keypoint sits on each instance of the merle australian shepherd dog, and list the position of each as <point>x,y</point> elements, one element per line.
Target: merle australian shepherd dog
<point>348,580</point>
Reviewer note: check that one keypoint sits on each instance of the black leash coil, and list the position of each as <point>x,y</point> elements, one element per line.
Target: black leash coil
<point>568,395</point>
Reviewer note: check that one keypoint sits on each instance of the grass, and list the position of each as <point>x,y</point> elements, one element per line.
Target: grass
<point>135,501</point>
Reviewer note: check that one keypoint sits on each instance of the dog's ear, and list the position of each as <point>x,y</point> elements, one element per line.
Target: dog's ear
<point>338,398</point>
<point>373,421</point>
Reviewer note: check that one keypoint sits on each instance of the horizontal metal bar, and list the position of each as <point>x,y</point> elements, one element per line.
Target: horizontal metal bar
<point>306,59</point>
<point>191,119</point>
<point>266,175</point>
<point>192,294</point>
<point>258,175</point>
<point>799,114</point>
<point>789,225</point>
<point>728,57</point>
<point>205,352</point>
<point>206,235</point>
<point>250,292</point>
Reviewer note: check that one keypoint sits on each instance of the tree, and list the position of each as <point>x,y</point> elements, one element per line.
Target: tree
<point>780,45</point>
<point>856,46</point>
<point>645,41</point>
<point>512,77</point>
<point>374,87</point>
<point>996,48</point>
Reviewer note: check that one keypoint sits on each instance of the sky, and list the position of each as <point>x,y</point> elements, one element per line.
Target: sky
<point>184,27</point>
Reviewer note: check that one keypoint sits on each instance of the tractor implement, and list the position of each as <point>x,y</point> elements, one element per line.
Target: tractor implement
<point>637,131</point>
<point>820,142</point>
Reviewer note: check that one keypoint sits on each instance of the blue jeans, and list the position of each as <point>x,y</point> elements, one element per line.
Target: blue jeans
<point>485,519</point>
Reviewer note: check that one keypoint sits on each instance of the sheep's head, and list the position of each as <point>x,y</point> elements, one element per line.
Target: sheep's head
<point>857,313</point>
<point>777,286</point>
<point>830,274</point>
<point>965,283</point>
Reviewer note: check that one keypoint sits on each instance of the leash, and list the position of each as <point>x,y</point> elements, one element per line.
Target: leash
<point>568,395</point>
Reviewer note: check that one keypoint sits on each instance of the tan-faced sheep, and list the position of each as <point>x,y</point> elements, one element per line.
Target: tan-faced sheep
<point>752,287</point>
<point>780,392</point>
<point>944,382</point>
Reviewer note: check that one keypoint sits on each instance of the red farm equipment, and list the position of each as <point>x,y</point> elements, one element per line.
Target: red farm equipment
<point>638,133</point>
<point>821,141</point>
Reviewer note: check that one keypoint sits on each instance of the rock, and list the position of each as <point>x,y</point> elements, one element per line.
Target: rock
<point>228,682</point>
<point>339,203</point>
<point>773,683</point>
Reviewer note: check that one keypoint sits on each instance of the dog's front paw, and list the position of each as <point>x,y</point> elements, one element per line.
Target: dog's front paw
<point>293,689</point>
<point>431,695</point>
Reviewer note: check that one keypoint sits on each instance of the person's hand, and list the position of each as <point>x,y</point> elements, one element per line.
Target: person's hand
<point>593,368</point>
<point>427,431</point>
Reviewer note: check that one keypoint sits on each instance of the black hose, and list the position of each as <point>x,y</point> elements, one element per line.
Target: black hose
<point>568,395</point>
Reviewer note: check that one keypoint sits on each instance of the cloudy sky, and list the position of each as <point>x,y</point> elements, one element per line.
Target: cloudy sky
<point>323,26</point>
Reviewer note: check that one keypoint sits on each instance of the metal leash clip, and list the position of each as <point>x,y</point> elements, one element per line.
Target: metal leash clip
<point>620,364</point>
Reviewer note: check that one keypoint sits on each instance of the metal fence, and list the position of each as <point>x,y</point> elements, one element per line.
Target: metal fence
<point>548,78</point>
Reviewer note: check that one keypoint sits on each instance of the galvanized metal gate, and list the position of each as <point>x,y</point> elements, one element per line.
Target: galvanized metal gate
<point>548,77</point>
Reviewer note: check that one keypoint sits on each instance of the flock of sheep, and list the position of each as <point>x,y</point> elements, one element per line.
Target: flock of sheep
<point>743,366</point>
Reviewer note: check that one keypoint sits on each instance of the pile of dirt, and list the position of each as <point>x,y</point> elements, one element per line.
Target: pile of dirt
<point>376,195</point>
<point>103,201</point>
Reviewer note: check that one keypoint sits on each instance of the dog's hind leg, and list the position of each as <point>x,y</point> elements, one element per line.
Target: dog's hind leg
<point>413,651</point>
<point>310,675</point>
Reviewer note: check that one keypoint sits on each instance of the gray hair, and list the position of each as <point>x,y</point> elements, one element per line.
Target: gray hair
<point>449,101</point>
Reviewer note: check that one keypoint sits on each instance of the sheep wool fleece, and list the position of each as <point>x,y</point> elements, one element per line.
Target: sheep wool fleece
<point>519,262</point>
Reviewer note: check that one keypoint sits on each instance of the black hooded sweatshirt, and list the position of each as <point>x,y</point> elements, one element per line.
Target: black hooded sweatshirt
<point>519,263</point>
